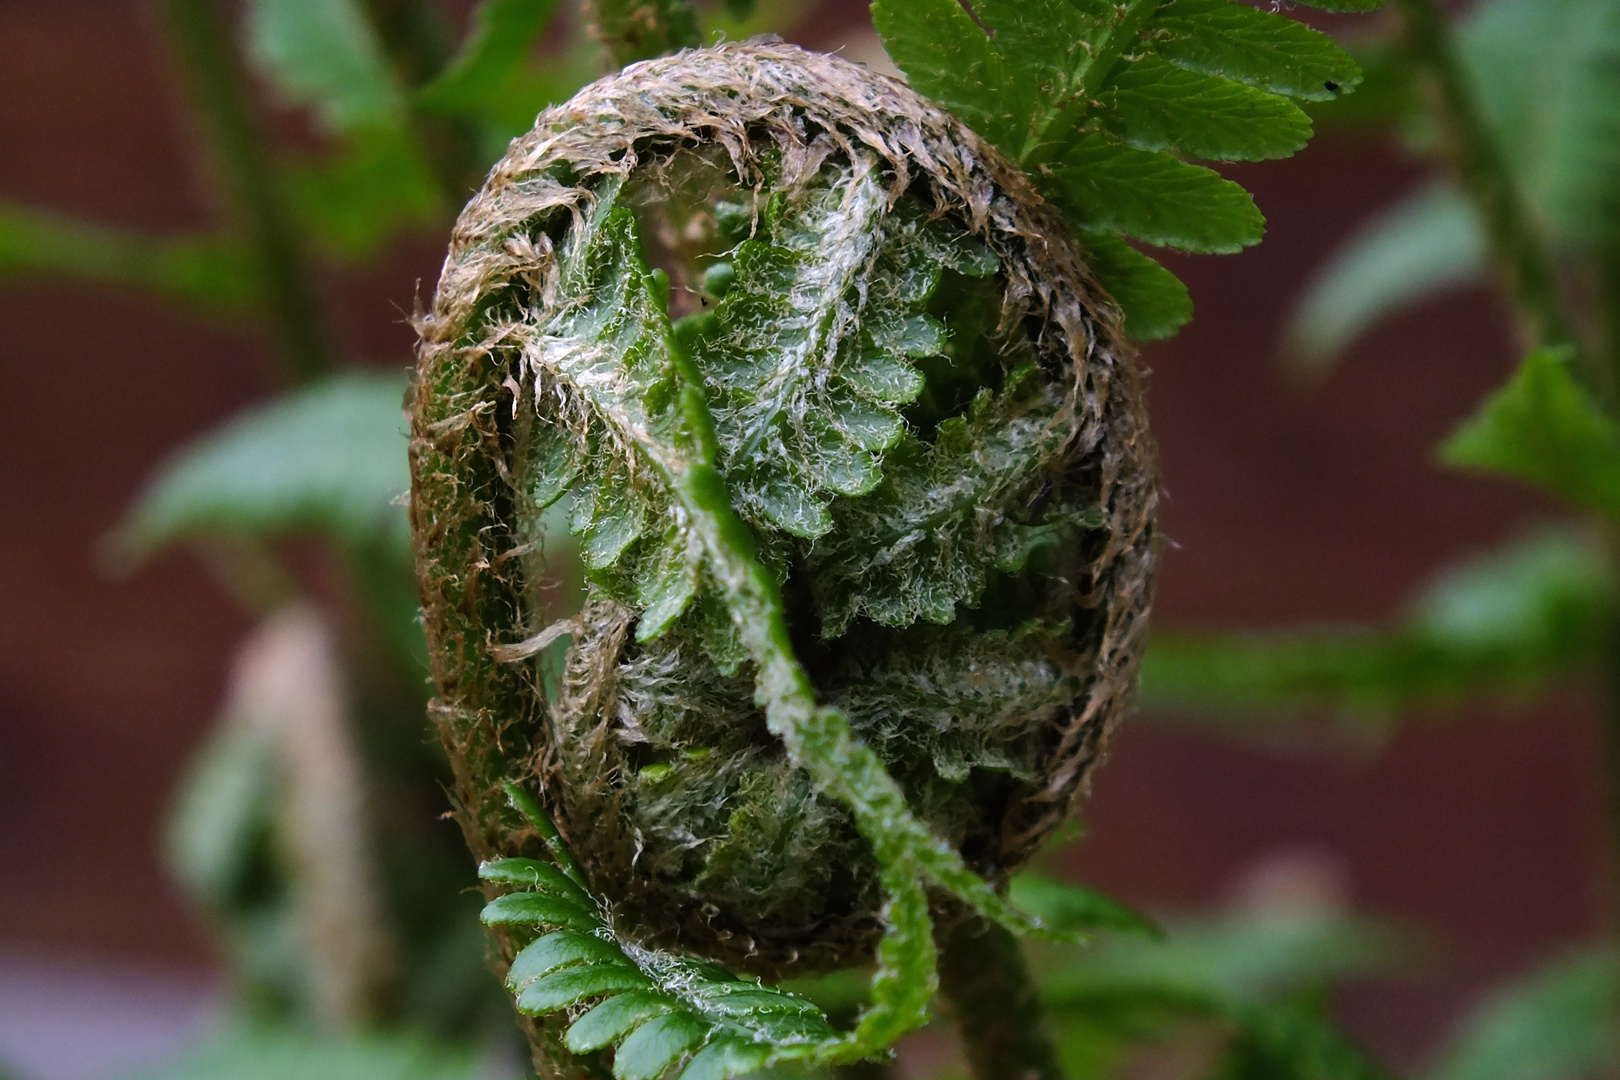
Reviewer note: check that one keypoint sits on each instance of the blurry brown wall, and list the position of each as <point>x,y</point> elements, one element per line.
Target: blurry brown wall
<point>1286,502</point>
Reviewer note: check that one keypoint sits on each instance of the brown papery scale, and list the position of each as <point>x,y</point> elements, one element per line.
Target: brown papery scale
<point>931,437</point>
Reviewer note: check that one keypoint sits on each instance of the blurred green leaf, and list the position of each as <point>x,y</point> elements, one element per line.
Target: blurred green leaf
<point>1425,244</point>
<point>328,457</point>
<point>1070,908</point>
<point>209,272</point>
<point>371,190</point>
<point>1237,971</point>
<point>1556,1025</point>
<point>511,112</point>
<point>249,1051</point>
<point>223,812</point>
<point>325,55</point>
<point>1548,592</point>
<point>1511,623</point>
<point>502,33</point>
<point>1545,428</point>
<point>1291,1042</point>
<point>1243,956</point>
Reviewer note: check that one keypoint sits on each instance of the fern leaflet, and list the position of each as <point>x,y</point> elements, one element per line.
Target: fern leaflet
<point>656,1010</point>
<point>1103,102</point>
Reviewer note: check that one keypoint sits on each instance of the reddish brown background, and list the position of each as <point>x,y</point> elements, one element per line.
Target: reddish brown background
<point>1286,502</point>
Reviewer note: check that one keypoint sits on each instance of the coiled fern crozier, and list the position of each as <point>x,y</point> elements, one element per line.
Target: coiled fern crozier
<point>852,451</point>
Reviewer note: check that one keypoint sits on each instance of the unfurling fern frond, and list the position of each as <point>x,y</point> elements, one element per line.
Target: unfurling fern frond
<point>1103,102</point>
<point>653,1008</point>
<point>855,461</point>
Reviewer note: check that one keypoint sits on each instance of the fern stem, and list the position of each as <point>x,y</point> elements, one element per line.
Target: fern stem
<point>1053,134</point>
<point>206,54</point>
<point>1517,244</point>
<point>998,1011</point>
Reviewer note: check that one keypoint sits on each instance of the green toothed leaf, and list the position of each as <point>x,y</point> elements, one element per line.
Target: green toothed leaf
<point>1103,185</point>
<point>1254,46</point>
<point>1154,301</point>
<point>1100,100</point>
<point>535,875</point>
<point>655,1045</point>
<point>651,1007</point>
<point>524,909</point>
<point>1154,105</point>
<point>947,57</point>
<point>558,950</point>
<point>615,1018</point>
<point>560,989</point>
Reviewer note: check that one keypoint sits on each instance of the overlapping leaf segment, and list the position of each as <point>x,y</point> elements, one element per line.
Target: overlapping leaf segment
<point>1103,102</point>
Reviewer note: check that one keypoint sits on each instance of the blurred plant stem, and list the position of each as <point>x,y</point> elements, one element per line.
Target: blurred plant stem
<point>413,36</point>
<point>631,30</point>
<point>208,60</point>
<point>984,976</point>
<point>1525,262</point>
<point>1470,142</point>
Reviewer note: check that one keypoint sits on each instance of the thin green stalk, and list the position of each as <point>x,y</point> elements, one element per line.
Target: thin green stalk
<point>413,38</point>
<point>1517,245</point>
<point>207,57</point>
<point>998,1011</point>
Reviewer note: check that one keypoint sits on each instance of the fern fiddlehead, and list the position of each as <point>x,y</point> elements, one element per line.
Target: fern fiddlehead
<point>854,457</point>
